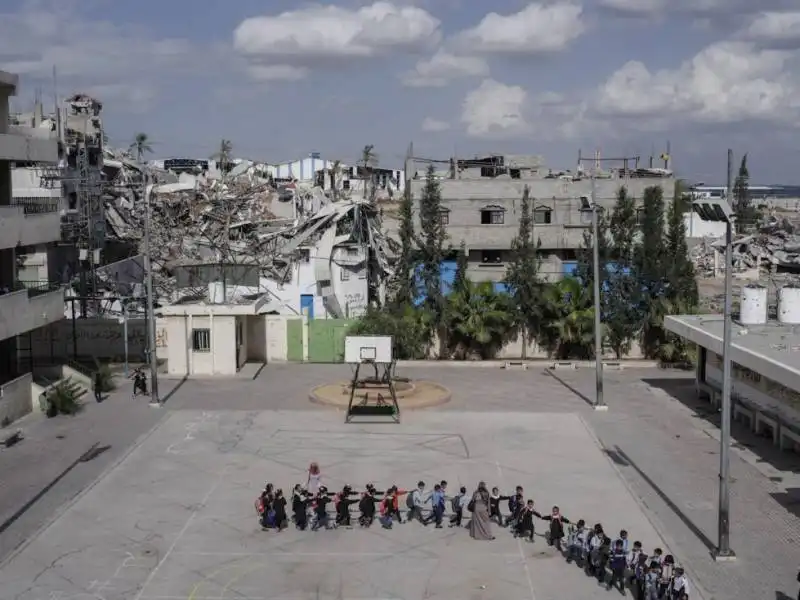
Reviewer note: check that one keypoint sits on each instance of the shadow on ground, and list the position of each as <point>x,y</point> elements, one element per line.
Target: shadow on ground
<point>683,390</point>
<point>790,500</point>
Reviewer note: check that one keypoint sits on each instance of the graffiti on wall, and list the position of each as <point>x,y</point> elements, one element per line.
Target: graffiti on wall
<point>355,304</point>
<point>101,338</point>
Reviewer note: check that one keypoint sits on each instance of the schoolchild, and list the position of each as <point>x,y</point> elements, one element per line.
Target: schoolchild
<point>679,587</point>
<point>279,510</point>
<point>437,506</point>
<point>516,503</point>
<point>300,501</point>
<point>525,526</point>
<point>667,573</point>
<point>556,532</point>
<point>634,559</point>
<point>342,503</point>
<point>603,557</point>
<point>617,561</point>
<point>494,506</point>
<point>457,505</point>
<point>652,581</point>
<point>366,505</point>
<point>594,541</point>
<point>415,501</point>
<point>576,541</point>
<point>390,511</point>
<point>321,501</point>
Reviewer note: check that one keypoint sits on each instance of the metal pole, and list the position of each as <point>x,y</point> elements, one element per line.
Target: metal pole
<point>125,333</point>
<point>724,551</point>
<point>599,403</point>
<point>74,333</point>
<point>151,330</point>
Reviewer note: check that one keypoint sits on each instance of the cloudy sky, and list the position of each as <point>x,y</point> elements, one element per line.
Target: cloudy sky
<point>281,79</point>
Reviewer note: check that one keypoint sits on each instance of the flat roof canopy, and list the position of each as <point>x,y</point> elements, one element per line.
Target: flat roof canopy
<point>772,350</point>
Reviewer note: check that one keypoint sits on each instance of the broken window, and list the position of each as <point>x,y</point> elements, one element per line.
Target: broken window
<point>345,275</point>
<point>73,200</point>
<point>491,257</point>
<point>444,217</point>
<point>345,184</point>
<point>542,216</point>
<point>515,173</point>
<point>492,216</point>
<point>201,340</point>
<point>305,255</point>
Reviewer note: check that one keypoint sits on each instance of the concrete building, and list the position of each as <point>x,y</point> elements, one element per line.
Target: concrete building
<point>765,387</point>
<point>27,222</point>
<point>481,202</point>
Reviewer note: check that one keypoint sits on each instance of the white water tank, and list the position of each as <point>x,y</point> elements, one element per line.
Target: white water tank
<point>789,305</point>
<point>753,305</point>
<point>216,293</point>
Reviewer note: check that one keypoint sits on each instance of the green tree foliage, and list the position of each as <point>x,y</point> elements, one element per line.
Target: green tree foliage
<point>480,321</point>
<point>404,267</point>
<point>407,325</point>
<point>568,326</point>
<point>431,244</point>
<point>461,280</point>
<point>648,257</point>
<point>585,268</point>
<point>522,277</point>
<point>746,213</point>
<point>680,273</point>
<point>140,146</point>
<point>621,291</point>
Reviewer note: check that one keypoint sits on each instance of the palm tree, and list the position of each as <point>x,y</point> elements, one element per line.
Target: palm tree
<point>481,321</point>
<point>223,155</point>
<point>569,332</point>
<point>368,160</point>
<point>140,146</point>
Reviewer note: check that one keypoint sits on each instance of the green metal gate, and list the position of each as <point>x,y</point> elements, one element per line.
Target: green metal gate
<point>326,340</point>
<point>294,340</point>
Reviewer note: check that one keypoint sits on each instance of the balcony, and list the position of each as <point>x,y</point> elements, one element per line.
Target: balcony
<point>30,222</point>
<point>28,146</point>
<point>29,306</point>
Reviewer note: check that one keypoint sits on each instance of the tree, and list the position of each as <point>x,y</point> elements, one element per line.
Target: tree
<point>140,146</point>
<point>368,161</point>
<point>407,326</point>
<point>568,325</point>
<point>479,321</point>
<point>223,155</point>
<point>522,277</point>
<point>431,248</point>
<point>585,268</point>
<point>742,203</point>
<point>405,267</point>
<point>461,280</point>
<point>431,243</point>
<point>680,270</point>
<point>650,270</point>
<point>620,291</point>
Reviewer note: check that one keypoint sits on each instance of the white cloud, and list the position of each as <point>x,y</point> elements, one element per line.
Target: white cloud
<point>727,82</point>
<point>442,68</point>
<point>318,32</point>
<point>494,109</point>
<point>276,72</point>
<point>538,28</point>
<point>115,62</point>
<point>649,8</point>
<point>778,29</point>
<point>433,125</point>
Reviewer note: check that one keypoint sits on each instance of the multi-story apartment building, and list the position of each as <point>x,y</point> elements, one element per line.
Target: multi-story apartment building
<point>25,222</point>
<point>481,201</point>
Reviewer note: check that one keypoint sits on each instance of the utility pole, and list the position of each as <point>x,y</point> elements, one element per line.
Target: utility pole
<point>599,403</point>
<point>723,551</point>
<point>151,330</point>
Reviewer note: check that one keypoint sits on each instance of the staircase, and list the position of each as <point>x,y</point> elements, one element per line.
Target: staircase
<point>45,380</point>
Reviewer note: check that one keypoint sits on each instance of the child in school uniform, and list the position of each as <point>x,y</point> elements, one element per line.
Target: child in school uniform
<point>556,533</point>
<point>525,526</point>
<point>494,506</point>
<point>342,503</point>
<point>366,505</point>
<point>576,541</point>
<point>516,503</point>
<point>458,504</point>
<point>321,501</point>
<point>300,501</point>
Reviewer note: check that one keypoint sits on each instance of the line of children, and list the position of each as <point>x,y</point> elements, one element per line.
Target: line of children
<point>655,577</point>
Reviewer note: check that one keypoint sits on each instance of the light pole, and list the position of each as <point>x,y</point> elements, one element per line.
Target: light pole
<point>718,210</point>
<point>151,330</point>
<point>124,302</point>
<point>591,206</point>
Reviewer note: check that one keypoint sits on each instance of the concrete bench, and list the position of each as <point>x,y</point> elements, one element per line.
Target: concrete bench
<point>788,440</point>
<point>516,364</point>
<point>765,422</point>
<point>740,410</point>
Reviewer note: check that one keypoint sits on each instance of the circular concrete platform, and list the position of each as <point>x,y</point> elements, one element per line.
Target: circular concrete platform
<point>411,395</point>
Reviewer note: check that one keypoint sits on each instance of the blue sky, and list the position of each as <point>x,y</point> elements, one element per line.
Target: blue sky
<point>281,79</point>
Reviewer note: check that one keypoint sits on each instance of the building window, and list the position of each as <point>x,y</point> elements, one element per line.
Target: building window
<point>345,184</point>
<point>305,255</point>
<point>344,275</point>
<point>491,257</point>
<point>362,274</point>
<point>444,217</point>
<point>542,216</point>
<point>639,215</point>
<point>492,216</point>
<point>201,340</point>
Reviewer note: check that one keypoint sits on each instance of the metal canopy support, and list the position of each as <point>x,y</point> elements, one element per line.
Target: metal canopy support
<point>380,406</point>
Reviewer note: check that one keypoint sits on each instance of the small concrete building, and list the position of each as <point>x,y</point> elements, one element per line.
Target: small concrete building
<point>765,374</point>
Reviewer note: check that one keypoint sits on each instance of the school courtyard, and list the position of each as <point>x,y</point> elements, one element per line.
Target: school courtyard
<point>172,518</point>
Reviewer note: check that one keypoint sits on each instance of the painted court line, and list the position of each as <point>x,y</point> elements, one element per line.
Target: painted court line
<point>311,554</point>
<point>521,554</point>
<point>182,532</point>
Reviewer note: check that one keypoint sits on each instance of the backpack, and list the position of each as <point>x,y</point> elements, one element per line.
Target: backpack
<point>455,503</point>
<point>259,506</point>
<point>410,499</point>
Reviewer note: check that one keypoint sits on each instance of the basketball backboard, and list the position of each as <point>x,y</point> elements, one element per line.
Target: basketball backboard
<point>359,349</point>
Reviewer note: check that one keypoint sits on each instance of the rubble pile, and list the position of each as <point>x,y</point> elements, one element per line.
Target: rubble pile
<point>776,244</point>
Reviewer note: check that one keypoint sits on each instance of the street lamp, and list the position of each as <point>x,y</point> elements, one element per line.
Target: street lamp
<point>151,333</point>
<point>718,210</point>
<point>590,207</point>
